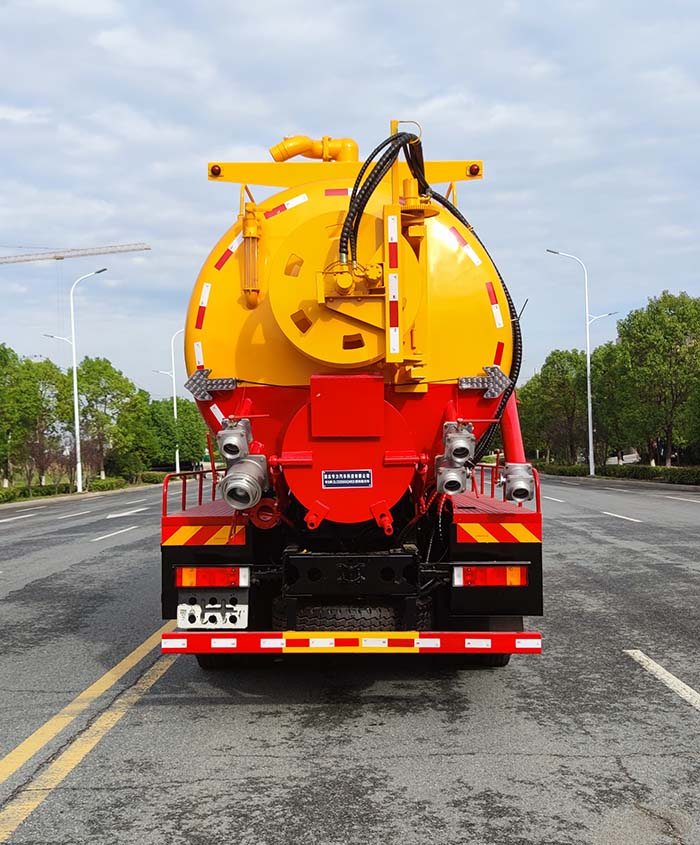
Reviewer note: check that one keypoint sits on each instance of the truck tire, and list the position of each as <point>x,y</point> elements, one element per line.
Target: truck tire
<point>492,661</point>
<point>350,617</point>
<point>213,662</point>
<point>221,662</point>
<point>492,623</point>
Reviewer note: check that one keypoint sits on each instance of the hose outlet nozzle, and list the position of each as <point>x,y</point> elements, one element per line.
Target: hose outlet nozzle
<point>245,482</point>
<point>519,482</point>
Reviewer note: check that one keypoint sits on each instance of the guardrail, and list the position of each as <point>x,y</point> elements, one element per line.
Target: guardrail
<point>197,479</point>
<point>482,472</point>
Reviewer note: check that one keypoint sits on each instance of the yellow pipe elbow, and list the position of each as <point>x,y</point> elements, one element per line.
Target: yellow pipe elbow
<point>328,149</point>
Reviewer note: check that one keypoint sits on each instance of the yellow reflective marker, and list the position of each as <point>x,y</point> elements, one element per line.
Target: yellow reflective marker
<point>38,790</point>
<point>41,736</point>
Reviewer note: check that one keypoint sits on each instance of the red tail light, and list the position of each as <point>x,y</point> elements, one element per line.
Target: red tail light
<point>490,575</point>
<point>212,576</point>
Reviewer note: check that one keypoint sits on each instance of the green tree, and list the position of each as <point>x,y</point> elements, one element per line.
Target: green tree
<point>134,438</point>
<point>663,345</point>
<point>104,394</point>
<point>562,394</point>
<point>531,412</point>
<point>35,405</point>
<point>191,432</point>
<point>616,417</point>
<point>9,365</point>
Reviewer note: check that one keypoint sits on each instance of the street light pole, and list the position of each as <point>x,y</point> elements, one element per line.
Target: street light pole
<point>591,456</point>
<point>172,375</point>
<point>76,407</point>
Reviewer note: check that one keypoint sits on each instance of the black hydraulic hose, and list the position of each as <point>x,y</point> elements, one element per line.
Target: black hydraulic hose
<point>370,185</point>
<point>414,157</point>
<point>360,195</point>
<point>413,151</point>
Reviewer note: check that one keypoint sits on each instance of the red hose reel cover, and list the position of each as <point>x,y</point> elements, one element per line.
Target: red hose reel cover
<point>346,478</point>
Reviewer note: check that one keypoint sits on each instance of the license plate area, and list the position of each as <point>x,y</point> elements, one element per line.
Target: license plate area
<point>215,607</point>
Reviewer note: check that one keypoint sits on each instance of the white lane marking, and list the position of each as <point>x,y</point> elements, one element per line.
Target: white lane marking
<point>135,501</point>
<point>620,516</point>
<point>616,489</point>
<point>113,534</point>
<point>125,513</point>
<point>681,499</point>
<point>35,508</point>
<point>570,483</point>
<point>13,518</point>
<point>671,681</point>
<point>69,515</point>
<point>552,499</point>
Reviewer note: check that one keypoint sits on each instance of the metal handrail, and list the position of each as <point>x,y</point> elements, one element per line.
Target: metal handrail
<point>479,483</point>
<point>199,476</point>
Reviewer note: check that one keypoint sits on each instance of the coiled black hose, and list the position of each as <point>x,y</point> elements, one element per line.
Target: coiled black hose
<point>360,195</point>
<point>413,151</point>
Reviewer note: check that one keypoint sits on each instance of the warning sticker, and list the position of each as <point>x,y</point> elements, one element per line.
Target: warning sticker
<point>346,478</point>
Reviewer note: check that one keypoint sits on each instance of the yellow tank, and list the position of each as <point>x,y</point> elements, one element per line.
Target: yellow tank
<point>349,328</point>
<point>273,304</point>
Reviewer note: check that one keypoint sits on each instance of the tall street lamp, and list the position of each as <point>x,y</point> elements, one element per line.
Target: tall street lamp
<point>171,373</point>
<point>76,408</point>
<point>591,457</point>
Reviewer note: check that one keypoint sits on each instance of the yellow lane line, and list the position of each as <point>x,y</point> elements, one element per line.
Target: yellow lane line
<point>36,741</point>
<point>38,790</point>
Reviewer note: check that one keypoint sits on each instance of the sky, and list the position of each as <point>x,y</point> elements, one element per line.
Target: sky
<point>586,114</point>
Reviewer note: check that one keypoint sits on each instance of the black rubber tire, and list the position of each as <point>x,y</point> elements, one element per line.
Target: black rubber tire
<point>493,661</point>
<point>490,623</point>
<point>214,662</point>
<point>350,617</point>
<point>222,662</point>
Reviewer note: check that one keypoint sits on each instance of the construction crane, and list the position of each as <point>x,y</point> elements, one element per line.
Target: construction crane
<point>59,255</point>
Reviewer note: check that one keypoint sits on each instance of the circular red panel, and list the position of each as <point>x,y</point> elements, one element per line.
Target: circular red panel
<point>349,475</point>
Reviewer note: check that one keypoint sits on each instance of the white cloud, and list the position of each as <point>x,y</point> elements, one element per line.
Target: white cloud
<point>81,8</point>
<point>672,85</point>
<point>166,49</point>
<point>116,108</point>
<point>11,114</point>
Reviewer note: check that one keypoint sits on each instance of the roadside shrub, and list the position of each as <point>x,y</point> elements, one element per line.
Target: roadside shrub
<point>48,490</point>
<point>643,472</point>
<point>570,470</point>
<point>639,472</point>
<point>99,485</point>
<point>153,477</point>
<point>7,494</point>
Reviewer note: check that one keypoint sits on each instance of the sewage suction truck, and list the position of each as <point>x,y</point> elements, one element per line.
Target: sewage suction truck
<point>354,351</point>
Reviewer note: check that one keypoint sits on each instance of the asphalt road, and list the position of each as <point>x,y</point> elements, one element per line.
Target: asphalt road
<point>579,745</point>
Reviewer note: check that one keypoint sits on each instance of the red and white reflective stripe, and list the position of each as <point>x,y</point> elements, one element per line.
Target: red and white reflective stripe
<point>285,206</point>
<point>218,413</point>
<point>224,642</point>
<point>394,336</point>
<point>465,246</point>
<point>201,311</point>
<point>406,642</point>
<point>337,192</point>
<point>392,231</point>
<point>230,249</point>
<point>198,355</point>
<point>498,355</point>
<point>495,307</point>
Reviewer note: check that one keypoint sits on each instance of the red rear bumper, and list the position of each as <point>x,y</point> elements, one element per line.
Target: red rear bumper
<point>375,642</point>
